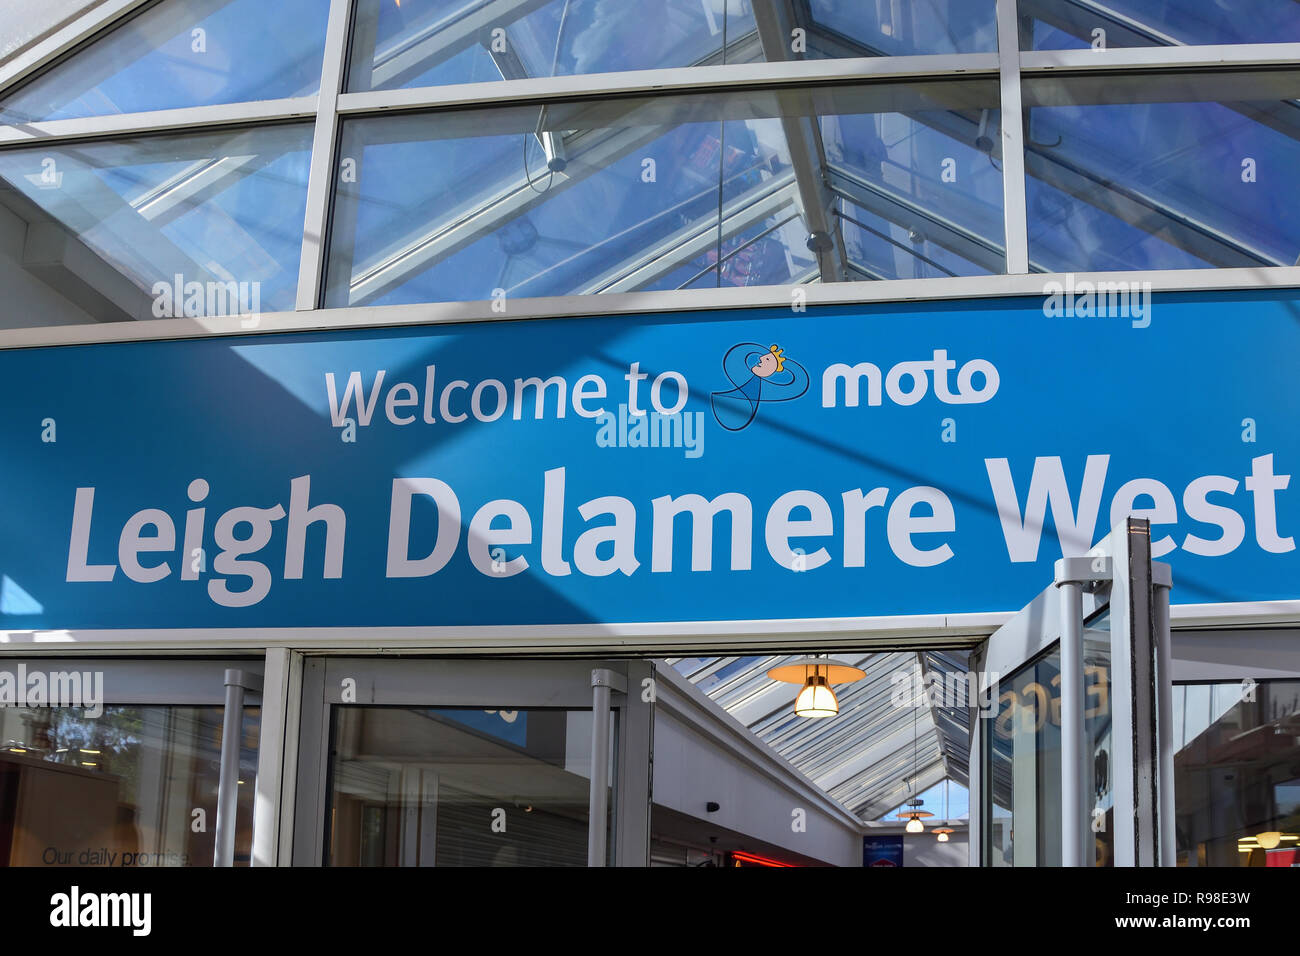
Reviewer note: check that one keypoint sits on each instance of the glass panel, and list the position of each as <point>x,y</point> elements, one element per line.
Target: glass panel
<point>205,224</point>
<point>947,800</point>
<point>184,53</point>
<point>1024,742</point>
<point>458,787</point>
<point>1237,773</point>
<point>636,194</point>
<point>436,42</point>
<point>118,790</point>
<point>1099,749</point>
<point>1169,172</point>
<point>1071,24</point>
<point>913,27</point>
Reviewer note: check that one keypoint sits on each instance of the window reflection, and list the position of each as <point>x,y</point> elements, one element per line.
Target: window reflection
<point>184,53</point>
<point>458,787</point>
<point>1237,773</point>
<point>1172,172</point>
<point>134,787</point>
<point>1025,759</point>
<point>912,28</point>
<point>157,227</point>
<point>672,192</point>
<point>1067,24</point>
<point>435,42</point>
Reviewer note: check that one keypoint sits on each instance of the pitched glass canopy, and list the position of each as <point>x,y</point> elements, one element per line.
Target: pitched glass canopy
<point>897,177</point>
<point>1076,24</point>
<point>107,222</point>
<point>415,43</point>
<point>1182,171</point>
<point>752,188</point>
<point>183,53</point>
<point>890,739</point>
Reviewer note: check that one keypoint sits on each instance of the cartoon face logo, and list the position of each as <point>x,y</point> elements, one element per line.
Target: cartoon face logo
<point>765,366</point>
<point>757,375</point>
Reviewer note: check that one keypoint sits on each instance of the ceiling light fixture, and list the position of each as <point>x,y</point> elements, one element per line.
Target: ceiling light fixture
<point>914,817</point>
<point>816,674</point>
<point>1269,839</point>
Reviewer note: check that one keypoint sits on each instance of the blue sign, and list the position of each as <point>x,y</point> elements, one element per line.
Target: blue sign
<point>882,851</point>
<point>752,464</point>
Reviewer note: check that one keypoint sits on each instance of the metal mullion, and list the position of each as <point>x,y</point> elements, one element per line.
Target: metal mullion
<point>1080,17</point>
<point>902,211</point>
<point>1012,125</point>
<point>320,181</point>
<point>1137,59</point>
<point>700,79</point>
<point>140,124</point>
<point>629,303</point>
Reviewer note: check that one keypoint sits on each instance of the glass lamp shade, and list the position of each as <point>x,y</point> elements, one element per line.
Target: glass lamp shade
<point>1269,839</point>
<point>816,699</point>
<point>943,838</point>
<point>942,834</point>
<point>914,825</point>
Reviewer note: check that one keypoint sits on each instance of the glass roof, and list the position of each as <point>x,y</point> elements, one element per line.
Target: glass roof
<point>854,181</point>
<point>211,207</point>
<point>1069,24</point>
<point>175,54</point>
<point>415,43</point>
<point>894,735</point>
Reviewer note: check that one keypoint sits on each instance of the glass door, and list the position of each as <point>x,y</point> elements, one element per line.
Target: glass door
<point>1083,666</point>
<point>418,762</point>
<point>128,763</point>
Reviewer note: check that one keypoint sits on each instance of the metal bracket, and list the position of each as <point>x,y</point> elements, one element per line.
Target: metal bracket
<point>1162,575</point>
<point>1088,570</point>
<point>604,677</point>
<point>239,678</point>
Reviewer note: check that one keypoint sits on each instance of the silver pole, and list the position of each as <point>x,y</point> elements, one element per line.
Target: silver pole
<point>1161,582</point>
<point>232,725</point>
<point>1073,807</point>
<point>598,809</point>
<point>228,783</point>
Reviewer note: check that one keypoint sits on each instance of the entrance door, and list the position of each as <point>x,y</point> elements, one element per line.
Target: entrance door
<point>128,763</point>
<point>455,762</point>
<point>1073,766</point>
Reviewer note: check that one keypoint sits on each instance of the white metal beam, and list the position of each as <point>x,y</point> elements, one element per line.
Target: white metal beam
<point>122,125</point>
<point>320,180</point>
<point>628,303</point>
<point>1011,121</point>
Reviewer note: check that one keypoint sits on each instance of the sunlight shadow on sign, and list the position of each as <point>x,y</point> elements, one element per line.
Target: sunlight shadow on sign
<point>14,600</point>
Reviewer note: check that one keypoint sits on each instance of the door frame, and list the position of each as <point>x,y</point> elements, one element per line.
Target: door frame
<point>1118,573</point>
<point>488,682</point>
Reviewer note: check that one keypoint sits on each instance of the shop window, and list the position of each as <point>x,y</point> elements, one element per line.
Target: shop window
<point>1237,773</point>
<point>135,786</point>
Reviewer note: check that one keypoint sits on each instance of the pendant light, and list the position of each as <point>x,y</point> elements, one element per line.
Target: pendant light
<point>914,815</point>
<point>816,674</point>
<point>942,834</point>
<point>1269,839</point>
